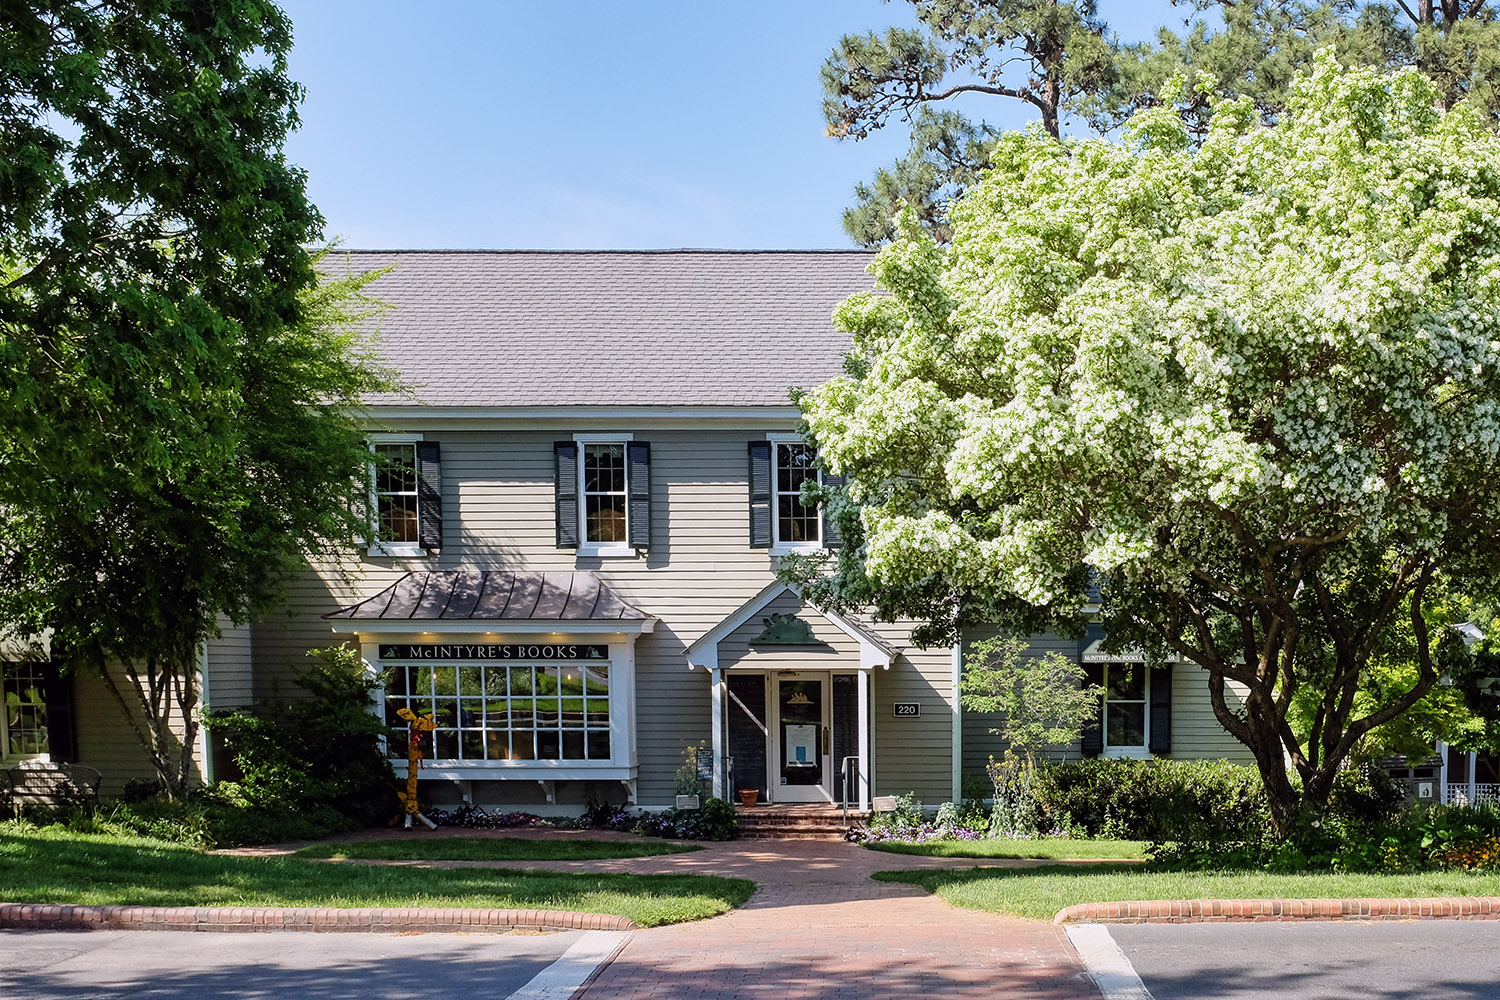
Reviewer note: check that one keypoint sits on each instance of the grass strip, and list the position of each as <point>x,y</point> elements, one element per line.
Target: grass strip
<point>56,867</point>
<point>1049,847</point>
<point>491,849</point>
<point>1040,892</point>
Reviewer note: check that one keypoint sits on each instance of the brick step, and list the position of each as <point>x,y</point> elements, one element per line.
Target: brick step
<point>793,823</point>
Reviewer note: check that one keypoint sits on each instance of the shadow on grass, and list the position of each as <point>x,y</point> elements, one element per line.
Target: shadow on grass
<point>47,867</point>
<point>1039,892</point>
<point>493,849</point>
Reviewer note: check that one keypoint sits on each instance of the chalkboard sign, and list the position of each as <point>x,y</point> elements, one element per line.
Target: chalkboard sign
<point>705,765</point>
<point>906,709</point>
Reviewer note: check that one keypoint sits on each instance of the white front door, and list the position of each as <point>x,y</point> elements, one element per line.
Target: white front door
<point>802,739</point>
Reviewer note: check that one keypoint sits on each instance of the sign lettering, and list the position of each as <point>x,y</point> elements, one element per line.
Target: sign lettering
<point>494,651</point>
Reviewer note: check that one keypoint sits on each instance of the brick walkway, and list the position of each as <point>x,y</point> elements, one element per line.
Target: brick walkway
<point>820,927</point>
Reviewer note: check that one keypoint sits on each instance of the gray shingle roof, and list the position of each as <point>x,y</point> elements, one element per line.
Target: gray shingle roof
<point>578,328</point>
<point>470,594</point>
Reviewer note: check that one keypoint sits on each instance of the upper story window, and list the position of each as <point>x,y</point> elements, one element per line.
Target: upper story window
<point>405,495</point>
<point>779,519</point>
<point>396,493</point>
<point>603,494</point>
<point>605,500</point>
<point>798,524</point>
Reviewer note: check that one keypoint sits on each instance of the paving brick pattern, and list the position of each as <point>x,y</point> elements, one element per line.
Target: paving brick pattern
<point>1242,910</point>
<point>820,927</point>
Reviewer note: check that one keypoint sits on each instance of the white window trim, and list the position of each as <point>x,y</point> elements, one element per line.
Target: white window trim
<point>603,550</point>
<point>778,547</point>
<point>400,550</point>
<point>1133,751</point>
<point>21,758</point>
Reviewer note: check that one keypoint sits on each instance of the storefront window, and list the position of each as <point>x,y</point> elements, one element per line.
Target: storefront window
<point>499,712</point>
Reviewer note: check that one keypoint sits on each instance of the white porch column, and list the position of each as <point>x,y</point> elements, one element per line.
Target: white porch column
<point>866,731</point>
<point>716,700</point>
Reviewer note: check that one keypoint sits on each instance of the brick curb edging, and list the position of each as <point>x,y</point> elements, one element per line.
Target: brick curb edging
<point>53,916</point>
<point>1176,911</point>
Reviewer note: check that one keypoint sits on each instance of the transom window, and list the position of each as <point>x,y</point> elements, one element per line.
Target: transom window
<point>498,712</point>
<point>604,493</point>
<point>797,523</point>
<point>23,687</point>
<point>396,493</point>
<point>1125,716</point>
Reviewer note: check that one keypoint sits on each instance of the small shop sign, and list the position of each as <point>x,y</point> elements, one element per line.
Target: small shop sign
<point>493,651</point>
<point>906,709</point>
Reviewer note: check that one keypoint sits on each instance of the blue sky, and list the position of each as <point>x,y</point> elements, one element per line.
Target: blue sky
<point>595,125</point>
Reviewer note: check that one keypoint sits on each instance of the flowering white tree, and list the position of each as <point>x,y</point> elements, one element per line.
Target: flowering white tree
<point>1255,386</point>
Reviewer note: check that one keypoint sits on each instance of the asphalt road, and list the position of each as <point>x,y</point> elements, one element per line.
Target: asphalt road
<point>172,965</point>
<point>1313,960</point>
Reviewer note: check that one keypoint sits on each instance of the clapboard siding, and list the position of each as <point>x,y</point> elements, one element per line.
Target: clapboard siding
<point>498,515</point>
<point>106,740</point>
<point>231,667</point>
<point>1196,733</point>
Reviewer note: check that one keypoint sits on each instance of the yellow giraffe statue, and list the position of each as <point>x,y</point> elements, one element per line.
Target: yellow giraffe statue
<point>416,726</point>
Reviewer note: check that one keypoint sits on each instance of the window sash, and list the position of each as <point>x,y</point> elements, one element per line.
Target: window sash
<point>394,487</point>
<point>1126,711</point>
<point>23,688</point>
<point>797,523</point>
<point>506,711</point>
<point>603,488</point>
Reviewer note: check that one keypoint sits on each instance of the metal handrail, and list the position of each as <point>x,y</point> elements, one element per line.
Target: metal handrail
<point>849,771</point>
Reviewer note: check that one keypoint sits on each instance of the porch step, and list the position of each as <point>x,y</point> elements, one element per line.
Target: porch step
<point>793,822</point>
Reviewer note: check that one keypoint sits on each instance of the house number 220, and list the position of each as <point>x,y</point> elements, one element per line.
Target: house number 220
<point>907,709</point>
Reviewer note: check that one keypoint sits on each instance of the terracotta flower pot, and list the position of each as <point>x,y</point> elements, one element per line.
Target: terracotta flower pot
<point>748,796</point>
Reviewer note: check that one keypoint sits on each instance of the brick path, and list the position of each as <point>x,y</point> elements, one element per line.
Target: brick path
<point>820,927</point>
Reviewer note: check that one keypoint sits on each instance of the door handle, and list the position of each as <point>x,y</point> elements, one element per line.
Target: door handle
<point>827,741</point>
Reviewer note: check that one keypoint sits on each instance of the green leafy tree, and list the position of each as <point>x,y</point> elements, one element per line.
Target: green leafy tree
<point>1253,384</point>
<point>1062,61</point>
<point>1043,701</point>
<point>1045,53</point>
<point>175,417</point>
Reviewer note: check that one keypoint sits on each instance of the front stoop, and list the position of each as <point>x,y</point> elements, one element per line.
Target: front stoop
<point>794,822</point>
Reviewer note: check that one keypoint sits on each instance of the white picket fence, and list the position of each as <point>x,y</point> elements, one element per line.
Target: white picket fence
<point>1485,793</point>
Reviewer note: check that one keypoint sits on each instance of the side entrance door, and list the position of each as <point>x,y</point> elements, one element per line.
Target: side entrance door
<point>800,759</point>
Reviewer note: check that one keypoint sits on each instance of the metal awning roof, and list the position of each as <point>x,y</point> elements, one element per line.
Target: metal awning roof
<point>492,595</point>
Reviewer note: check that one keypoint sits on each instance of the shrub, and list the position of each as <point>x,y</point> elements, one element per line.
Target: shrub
<point>1200,800</point>
<point>321,751</point>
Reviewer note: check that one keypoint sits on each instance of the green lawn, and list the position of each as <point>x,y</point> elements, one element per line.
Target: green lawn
<point>53,867</point>
<point>1040,892</point>
<point>492,849</point>
<point>1048,847</point>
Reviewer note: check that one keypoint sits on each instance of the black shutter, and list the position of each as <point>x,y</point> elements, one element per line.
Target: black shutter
<point>565,471</point>
<point>62,733</point>
<point>760,494</point>
<point>1161,709</point>
<point>831,537</point>
<point>638,472</point>
<point>429,495</point>
<point>1092,742</point>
